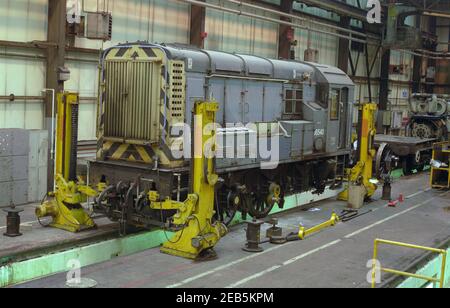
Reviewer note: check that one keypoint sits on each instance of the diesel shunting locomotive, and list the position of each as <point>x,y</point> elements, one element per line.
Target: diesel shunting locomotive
<point>148,91</point>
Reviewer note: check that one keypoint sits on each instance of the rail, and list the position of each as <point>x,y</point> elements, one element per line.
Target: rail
<point>380,269</point>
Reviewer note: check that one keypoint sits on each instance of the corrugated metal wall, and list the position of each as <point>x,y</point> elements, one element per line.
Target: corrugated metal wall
<point>144,20</point>
<point>327,45</point>
<point>20,73</point>
<point>233,33</point>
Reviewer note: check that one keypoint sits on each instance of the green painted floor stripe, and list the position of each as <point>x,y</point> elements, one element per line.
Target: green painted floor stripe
<point>50,264</point>
<point>432,269</point>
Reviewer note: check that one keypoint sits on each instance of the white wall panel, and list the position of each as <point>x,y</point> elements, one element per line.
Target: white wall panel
<point>21,77</point>
<point>232,33</point>
<point>326,44</point>
<point>87,126</point>
<point>23,20</point>
<point>84,80</point>
<point>163,21</point>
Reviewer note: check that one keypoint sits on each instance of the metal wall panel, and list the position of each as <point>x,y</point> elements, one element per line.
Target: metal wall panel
<point>145,20</point>
<point>84,80</point>
<point>272,102</point>
<point>37,165</point>
<point>327,45</point>
<point>24,20</point>
<point>253,105</point>
<point>21,77</point>
<point>233,33</point>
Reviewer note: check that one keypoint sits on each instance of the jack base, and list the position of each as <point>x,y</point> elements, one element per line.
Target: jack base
<point>12,235</point>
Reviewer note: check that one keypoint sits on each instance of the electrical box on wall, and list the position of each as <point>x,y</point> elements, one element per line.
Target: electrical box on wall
<point>63,74</point>
<point>99,26</point>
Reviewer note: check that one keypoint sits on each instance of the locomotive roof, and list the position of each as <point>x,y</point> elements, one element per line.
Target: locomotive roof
<point>222,63</point>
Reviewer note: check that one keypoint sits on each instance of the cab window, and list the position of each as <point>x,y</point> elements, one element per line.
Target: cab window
<point>335,99</point>
<point>293,100</point>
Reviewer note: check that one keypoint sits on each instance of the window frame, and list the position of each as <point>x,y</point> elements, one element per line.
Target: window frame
<point>335,112</point>
<point>293,101</point>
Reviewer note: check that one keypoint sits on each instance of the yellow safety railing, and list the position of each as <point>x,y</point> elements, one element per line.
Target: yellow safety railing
<point>380,269</point>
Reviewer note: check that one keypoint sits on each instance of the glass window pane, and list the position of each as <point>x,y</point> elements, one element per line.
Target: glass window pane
<point>289,94</point>
<point>298,106</point>
<point>288,107</point>
<point>334,104</point>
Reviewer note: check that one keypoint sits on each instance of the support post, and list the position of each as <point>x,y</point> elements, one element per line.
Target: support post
<point>344,47</point>
<point>57,12</point>
<point>431,79</point>
<point>417,68</point>
<point>198,29</point>
<point>286,33</point>
<point>384,87</point>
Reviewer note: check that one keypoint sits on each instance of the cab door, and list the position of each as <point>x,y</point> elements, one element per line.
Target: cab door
<point>343,119</point>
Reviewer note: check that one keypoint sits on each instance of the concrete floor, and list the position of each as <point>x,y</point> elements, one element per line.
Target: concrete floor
<point>336,257</point>
<point>36,237</point>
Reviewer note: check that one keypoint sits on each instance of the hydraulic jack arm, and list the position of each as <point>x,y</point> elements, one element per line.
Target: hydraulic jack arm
<point>64,204</point>
<point>362,173</point>
<point>198,233</point>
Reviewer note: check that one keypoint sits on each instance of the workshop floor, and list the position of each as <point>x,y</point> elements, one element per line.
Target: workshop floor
<point>336,257</point>
<point>36,237</point>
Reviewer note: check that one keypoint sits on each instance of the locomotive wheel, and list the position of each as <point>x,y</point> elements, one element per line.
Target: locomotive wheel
<point>228,203</point>
<point>260,208</point>
<point>232,205</point>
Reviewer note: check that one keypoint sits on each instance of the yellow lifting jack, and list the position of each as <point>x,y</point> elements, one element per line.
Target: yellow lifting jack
<point>360,184</point>
<point>64,204</point>
<point>197,234</point>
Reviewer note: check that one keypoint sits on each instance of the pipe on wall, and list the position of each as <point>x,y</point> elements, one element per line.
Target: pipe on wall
<point>276,21</point>
<point>302,19</point>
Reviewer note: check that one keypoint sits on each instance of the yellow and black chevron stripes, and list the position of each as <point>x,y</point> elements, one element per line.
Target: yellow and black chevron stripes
<point>128,152</point>
<point>172,84</point>
<point>137,52</point>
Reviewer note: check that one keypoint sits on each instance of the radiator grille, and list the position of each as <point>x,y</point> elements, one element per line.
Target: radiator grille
<point>177,92</point>
<point>133,97</point>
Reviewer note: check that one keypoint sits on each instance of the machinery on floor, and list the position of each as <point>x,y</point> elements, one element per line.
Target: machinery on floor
<point>285,128</point>
<point>412,153</point>
<point>429,116</point>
